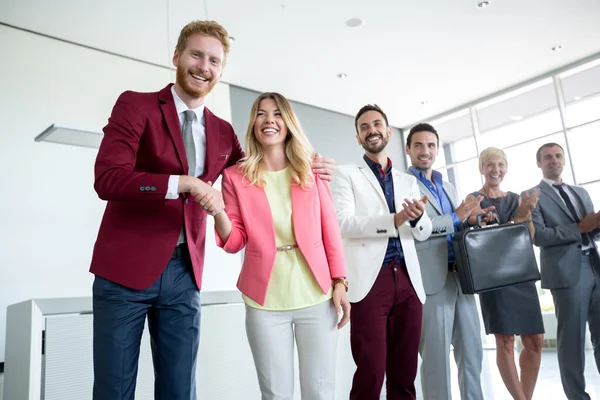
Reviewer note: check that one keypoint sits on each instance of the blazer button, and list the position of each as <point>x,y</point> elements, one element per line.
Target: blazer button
<point>420,228</point>
<point>186,201</point>
<point>142,188</point>
<point>147,188</point>
<point>153,188</point>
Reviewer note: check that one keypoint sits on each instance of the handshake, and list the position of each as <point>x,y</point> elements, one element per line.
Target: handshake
<point>209,198</point>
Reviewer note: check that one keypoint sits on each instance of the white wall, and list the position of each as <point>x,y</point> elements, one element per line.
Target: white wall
<point>49,212</point>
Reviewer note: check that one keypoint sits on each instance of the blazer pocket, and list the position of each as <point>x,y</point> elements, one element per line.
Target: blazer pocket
<point>317,244</point>
<point>251,253</point>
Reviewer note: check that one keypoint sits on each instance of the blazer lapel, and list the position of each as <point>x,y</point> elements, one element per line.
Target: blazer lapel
<point>430,197</point>
<point>586,208</point>
<point>451,196</point>
<point>167,106</point>
<point>364,168</point>
<point>212,140</point>
<point>549,191</point>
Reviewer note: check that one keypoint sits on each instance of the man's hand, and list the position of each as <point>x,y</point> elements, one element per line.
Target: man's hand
<point>468,205</point>
<point>589,222</point>
<point>209,198</point>
<point>323,167</point>
<point>340,300</point>
<point>411,210</point>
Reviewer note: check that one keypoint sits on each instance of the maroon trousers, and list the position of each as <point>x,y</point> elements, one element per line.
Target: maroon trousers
<point>385,330</point>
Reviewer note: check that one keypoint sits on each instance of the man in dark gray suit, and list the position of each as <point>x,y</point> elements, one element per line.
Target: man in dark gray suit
<point>449,316</point>
<point>564,222</point>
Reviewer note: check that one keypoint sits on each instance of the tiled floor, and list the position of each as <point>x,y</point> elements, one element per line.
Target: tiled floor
<point>548,386</point>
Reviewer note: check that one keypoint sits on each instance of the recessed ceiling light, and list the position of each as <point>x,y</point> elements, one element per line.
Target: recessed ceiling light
<point>354,22</point>
<point>231,39</point>
<point>342,75</point>
<point>483,4</point>
<point>515,117</point>
<point>424,102</point>
<point>576,98</point>
<point>557,48</point>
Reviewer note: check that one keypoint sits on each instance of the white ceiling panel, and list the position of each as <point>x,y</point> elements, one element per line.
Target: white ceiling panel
<point>445,52</point>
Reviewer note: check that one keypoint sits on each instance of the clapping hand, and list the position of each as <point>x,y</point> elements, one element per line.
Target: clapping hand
<point>527,204</point>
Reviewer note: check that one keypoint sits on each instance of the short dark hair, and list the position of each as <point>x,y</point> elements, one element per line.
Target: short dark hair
<point>538,155</point>
<point>422,127</point>
<point>369,107</point>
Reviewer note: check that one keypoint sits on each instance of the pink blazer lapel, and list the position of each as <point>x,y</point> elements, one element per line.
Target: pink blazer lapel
<point>301,212</point>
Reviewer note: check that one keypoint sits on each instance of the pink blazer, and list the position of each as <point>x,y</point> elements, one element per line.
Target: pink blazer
<point>315,227</point>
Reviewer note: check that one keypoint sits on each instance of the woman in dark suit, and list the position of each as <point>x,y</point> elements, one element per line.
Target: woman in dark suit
<point>514,310</point>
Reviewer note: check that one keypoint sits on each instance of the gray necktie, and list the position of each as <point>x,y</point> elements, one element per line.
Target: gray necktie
<point>188,141</point>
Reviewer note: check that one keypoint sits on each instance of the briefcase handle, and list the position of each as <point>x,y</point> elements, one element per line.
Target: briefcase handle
<point>480,220</point>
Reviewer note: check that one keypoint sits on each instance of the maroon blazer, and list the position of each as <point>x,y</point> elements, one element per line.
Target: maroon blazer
<point>141,148</point>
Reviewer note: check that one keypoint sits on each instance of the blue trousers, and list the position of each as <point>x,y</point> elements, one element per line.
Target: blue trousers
<point>172,306</point>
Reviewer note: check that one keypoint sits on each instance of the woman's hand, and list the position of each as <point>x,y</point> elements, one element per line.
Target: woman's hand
<point>340,300</point>
<point>527,204</point>
<point>488,211</point>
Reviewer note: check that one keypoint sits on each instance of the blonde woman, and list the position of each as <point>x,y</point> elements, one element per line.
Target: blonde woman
<point>513,310</point>
<point>293,274</point>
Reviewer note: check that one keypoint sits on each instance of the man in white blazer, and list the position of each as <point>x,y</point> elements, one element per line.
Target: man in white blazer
<point>380,215</point>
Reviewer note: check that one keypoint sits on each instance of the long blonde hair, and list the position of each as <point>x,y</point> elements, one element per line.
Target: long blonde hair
<point>298,149</point>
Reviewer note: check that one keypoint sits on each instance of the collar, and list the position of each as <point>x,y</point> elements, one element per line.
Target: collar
<point>376,166</point>
<point>550,182</point>
<point>435,175</point>
<point>181,107</point>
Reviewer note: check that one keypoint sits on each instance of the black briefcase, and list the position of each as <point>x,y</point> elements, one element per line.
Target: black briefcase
<point>495,256</point>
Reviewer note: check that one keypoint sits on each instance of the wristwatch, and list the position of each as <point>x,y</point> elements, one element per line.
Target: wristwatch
<point>343,281</point>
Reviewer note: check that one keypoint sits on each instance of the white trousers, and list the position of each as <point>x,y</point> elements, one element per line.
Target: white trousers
<point>271,337</point>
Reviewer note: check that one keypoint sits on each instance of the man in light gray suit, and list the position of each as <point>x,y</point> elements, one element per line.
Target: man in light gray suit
<point>565,223</point>
<point>449,316</point>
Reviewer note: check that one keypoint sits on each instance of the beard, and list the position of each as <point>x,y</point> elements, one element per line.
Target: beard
<point>182,79</point>
<point>374,148</point>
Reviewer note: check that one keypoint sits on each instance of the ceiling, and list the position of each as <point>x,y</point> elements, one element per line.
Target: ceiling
<point>446,53</point>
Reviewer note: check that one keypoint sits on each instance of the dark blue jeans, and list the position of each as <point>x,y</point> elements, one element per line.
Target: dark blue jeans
<point>172,305</point>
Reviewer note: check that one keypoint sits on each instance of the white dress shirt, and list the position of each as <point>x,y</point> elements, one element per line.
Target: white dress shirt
<point>199,134</point>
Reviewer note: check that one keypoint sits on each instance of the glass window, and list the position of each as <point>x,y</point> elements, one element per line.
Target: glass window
<point>464,176</point>
<point>594,190</point>
<point>456,138</point>
<point>517,105</point>
<point>581,91</point>
<point>521,131</point>
<point>523,114</point>
<point>467,177</point>
<point>584,143</point>
<point>463,149</point>
<point>583,111</point>
<point>523,172</point>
